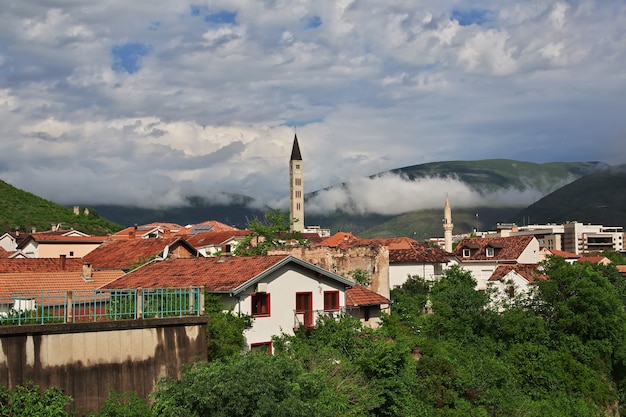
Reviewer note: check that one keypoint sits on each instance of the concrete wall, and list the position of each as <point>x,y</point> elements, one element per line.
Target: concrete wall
<point>87,360</point>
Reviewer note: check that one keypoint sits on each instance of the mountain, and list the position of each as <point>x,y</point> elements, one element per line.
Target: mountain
<point>485,177</point>
<point>23,210</point>
<point>195,209</point>
<point>598,198</point>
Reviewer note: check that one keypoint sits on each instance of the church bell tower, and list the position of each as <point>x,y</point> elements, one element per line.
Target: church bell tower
<point>296,187</point>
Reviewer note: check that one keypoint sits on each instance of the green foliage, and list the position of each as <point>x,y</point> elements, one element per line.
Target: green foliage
<point>361,277</point>
<point>126,404</point>
<point>274,232</point>
<point>23,210</point>
<point>251,385</point>
<point>29,400</point>
<point>224,329</point>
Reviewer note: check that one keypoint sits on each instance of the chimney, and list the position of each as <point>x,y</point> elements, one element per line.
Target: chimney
<point>17,231</point>
<point>33,229</point>
<point>53,227</point>
<point>131,234</point>
<point>62,260</point>
<point>87,272</point>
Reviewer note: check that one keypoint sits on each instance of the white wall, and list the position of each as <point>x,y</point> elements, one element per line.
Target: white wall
<point>399,273</point>
<point>282,288</point>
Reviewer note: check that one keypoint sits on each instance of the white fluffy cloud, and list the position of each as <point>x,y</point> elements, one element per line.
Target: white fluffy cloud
<point>125,102</point>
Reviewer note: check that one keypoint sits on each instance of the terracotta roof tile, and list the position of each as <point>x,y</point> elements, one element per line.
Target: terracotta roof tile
<point>361,296</point>
<point>216,273</point>
<point>621,268</point>
<point>339,238</point>
<point>38,282</point>
<point>200,240</point>
<point>23,265</point>
<point>505,248</point>
<point>407,250</point>
<point>124,254</point>
<point>564,254</point>
<point>214,225</point>
<point>4,254</point>
<point>593,259</point>
<point>528,271</point>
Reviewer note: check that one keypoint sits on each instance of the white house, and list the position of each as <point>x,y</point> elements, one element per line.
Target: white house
<point>281,292</point>
<point>512,280</point>
<point>408,257</point>
<point>481,256</point>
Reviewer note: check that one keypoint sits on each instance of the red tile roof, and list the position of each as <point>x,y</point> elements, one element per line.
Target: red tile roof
<point>200,240</point>
<point>215,226</point>
<point>127,253</point>
<point>52,238</point>
<point>4,254</point>
<point>594,259</point>
<point>505,248</point>
<point>621,268</point>
<point>407,250</point>
<point>216,273</point>
<point>339,239</point>
<point>23,265</point>
<point>563,254</point>
<point>361,296</point>
<point>528,271</point>
<point>38,282</point>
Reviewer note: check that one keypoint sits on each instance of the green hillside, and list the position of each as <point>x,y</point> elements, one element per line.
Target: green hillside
<point>23,210</point>
<point>598,198</point>
<point>493,174</point>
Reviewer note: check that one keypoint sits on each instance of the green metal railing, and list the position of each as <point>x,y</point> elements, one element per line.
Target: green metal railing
<point>99,305</point>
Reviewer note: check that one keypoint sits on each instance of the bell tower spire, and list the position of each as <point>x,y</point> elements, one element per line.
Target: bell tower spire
<point>296,187</point>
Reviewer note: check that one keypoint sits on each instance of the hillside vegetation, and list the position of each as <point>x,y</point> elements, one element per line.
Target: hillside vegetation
<point>24,210</point>
<point>597,198</point>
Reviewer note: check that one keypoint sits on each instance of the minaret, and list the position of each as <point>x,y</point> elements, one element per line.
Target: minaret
<point>447,226</point>
<point>296,187</point>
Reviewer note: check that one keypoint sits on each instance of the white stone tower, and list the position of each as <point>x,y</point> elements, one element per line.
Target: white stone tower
<point>447,226</point>
<point>296,187</point>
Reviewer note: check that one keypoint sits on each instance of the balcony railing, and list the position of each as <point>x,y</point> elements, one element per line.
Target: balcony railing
<point>99,305</point>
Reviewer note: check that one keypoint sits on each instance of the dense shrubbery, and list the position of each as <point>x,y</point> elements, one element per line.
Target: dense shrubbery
<point>559,352</point>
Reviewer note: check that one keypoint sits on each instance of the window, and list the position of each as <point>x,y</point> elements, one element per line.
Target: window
<point>262,347</point>
<point>71,253</point>
<point>466,253</point>
<point>298,206</point>
<point>260,304</point>
<point>331,300</point>
<point>298,194</point>
<point>489,252</point>
<point>298,181</point>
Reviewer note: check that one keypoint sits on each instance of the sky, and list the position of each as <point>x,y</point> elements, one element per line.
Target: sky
<point>142,102</point>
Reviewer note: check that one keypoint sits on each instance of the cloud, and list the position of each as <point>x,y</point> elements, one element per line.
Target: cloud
<point>131,103</point>
<point>381,195</point>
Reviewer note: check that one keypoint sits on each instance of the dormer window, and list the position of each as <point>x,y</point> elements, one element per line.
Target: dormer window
<point>466,253</point>
<point>489,251</point>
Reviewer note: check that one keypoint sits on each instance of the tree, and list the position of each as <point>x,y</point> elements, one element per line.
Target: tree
<point>29,400</point>
<point>224,329</point>
<point>126,404</point>
<point>274,232</point>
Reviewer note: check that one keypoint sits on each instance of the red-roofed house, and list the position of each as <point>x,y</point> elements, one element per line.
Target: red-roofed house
<point>216,243</point>
<point>602,260</point>
<point>569,257</point>
<point>511,280</point>
<point>281,292</point>
<point>366,305</point>
<point>408,257</point>
<point>130,253</point>
<point>482,255</point>
<point>50,245</point>
<point>150,231</point>
<point>30,283</point>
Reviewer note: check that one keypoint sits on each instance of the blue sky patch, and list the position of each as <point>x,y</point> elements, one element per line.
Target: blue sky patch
<point>312,22</point>
<point>127,57</point>
<point>472,16</point>
<point>221,17</point>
